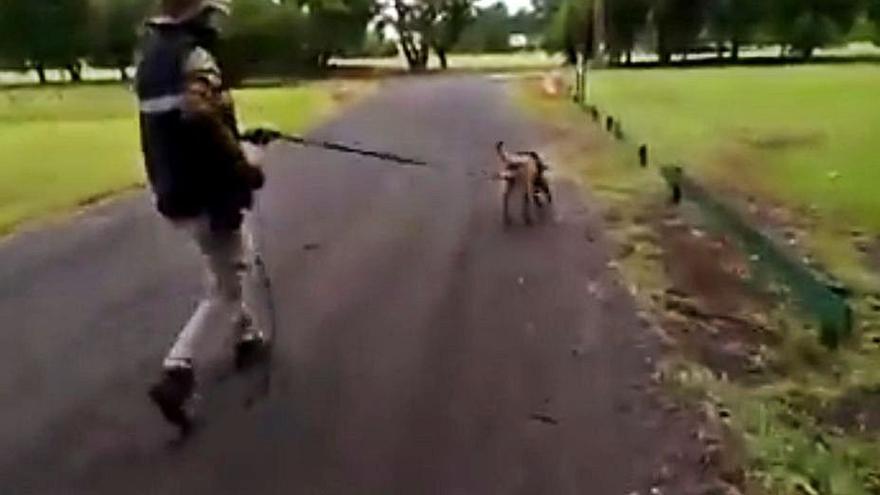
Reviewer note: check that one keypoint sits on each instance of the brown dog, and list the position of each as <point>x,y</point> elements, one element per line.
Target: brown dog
<point>523,171</point>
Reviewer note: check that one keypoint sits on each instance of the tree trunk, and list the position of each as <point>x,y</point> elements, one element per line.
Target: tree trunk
<point>416,56</point>
<point>734,50</point>
<point>323,60</point>
<point>571,56</point>
<point>123,73</point>
<point>424,53</point>
<point>407,53</point>
<point>629,58</point>
<point>719,50</point>
<point>441,54</point>
<point>665,57</point>
<point>75,72</point>
<point>663,51</point>
<point>41,73</point>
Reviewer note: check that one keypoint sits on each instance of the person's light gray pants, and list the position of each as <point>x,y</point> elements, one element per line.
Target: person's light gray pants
<point>228,257</point>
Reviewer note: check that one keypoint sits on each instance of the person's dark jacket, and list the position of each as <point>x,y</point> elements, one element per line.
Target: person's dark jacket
<point>188,131</point>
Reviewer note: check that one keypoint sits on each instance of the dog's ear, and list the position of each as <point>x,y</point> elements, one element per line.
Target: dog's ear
<point>499,145</point>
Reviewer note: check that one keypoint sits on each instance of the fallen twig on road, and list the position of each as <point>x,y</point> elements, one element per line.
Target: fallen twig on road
<point>545,418</point>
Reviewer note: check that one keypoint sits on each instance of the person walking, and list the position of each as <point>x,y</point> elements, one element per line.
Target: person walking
<point>203,180</point>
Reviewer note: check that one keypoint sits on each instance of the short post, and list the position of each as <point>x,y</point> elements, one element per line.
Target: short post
<point>609,123</point>
<point>585,68</point>
<point>594,113</point>
<point>673,175</point>
<point>643,155</point>
<point>618,130</point>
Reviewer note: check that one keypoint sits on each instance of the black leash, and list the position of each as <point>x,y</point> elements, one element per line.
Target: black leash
<point>344,148</point>
<point>266,136</point>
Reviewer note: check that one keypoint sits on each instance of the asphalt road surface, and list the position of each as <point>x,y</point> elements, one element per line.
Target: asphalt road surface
<point>422,348</point>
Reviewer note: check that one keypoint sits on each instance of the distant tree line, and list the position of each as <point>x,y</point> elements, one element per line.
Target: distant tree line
<point>265,36</point>
<point>681,27</point>
<point>491,29</point>
<point>443,26</point>
<point>276,37</point>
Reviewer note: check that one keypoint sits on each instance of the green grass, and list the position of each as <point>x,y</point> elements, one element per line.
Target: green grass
<point>788,450</point>
<point>65,145</point>
<point>787,130</point>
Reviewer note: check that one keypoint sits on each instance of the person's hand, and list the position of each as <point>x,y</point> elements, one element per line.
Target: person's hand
<point>251,171</point>
<point>254,154</point>
<point>260,136</point>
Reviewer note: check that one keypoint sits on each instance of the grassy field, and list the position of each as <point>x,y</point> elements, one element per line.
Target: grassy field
<point>63,146</point>
<point>802,136</point>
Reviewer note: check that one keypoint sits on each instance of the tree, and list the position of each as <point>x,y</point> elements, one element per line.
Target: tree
<point>571,30</point>
<point>874,16</point>
<point>625,20</point>
<point>545,10</point>
<point>453,17</point>
<point>335,27</point>
<point>489,32</point>
<point>263,38</point>
<point>526,22</point>
<point>114,33</point>
<point>411,19</point>
<point>735,21</point>
<point>804,25</point>
<point>423,25</point>
<point>376,44</point>
<point>44,34</point>
<point>678,23</point>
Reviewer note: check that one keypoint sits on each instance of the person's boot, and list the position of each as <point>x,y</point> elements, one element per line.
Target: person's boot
<point>173,394</point>
<point>251,346</point>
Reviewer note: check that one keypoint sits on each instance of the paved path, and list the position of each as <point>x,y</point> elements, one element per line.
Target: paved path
<point>417,341</point>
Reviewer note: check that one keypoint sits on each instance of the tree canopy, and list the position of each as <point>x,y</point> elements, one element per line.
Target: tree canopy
<point>44,34</point>
<point>265,35</point>
<point>626,19</point>
<point>114,32</point>
<point>570,28</point>
<point>670,27</point>
<point>490,30</point>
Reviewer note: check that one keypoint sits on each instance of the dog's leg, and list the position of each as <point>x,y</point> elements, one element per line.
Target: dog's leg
<point>505,202</point>
<point>531,175</point>
<point>536,193</point>
<point>540,187</point>
<point>545,188</point>
<point>528,194</point>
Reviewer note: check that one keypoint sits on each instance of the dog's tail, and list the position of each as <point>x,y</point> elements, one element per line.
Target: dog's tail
<point>542,166</point>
